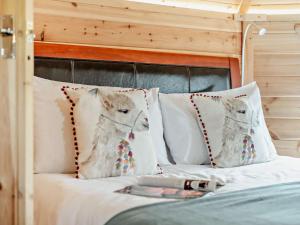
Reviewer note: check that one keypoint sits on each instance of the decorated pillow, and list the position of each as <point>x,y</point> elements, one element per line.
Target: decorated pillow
<point>53,134</point>
<point>234,128</point>
<point>111,132</point>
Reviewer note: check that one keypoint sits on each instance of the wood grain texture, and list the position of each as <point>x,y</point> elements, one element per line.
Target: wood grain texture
<point>281,107</point>
<point>7,154</point>
<point>173,7</point>
<point>126,55</point>
<point>277,65</point>
<point>288,148</point>
<point>284,129</point>
<point>118,13</point>
<point>279,86</point>
<point>277,44</point>
<point>24,110</point>
<point>235,72</point>
<point>276,69</point>
<point>95,32</point>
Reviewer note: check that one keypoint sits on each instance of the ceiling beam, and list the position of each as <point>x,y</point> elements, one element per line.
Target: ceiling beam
<point>243,7</point>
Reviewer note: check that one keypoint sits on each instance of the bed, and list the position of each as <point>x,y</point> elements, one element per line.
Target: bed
<point>60,199</point>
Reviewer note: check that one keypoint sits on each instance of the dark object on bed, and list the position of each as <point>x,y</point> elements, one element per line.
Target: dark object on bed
<point>271,205</point>
<point>169,78</point>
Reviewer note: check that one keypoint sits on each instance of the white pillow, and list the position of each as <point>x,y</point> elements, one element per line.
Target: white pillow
<point>181,130</point>
<point>111,132</point>
<point>234,129</point>
<point>54,150</point>
<point>156,129</point>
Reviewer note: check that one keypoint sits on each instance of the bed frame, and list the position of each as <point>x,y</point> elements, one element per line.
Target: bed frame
<point>203,73</point>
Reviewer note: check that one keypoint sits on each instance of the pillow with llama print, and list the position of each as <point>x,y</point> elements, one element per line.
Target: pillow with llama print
<point>234,129</point>
<point>112,134</point>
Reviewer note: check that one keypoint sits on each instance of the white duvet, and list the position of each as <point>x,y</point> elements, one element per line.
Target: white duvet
<point>61,199</point>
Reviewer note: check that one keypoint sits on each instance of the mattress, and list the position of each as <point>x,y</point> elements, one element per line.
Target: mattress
<point>60,199</point>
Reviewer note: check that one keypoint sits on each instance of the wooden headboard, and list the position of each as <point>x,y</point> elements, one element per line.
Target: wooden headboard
<point>91,53</point>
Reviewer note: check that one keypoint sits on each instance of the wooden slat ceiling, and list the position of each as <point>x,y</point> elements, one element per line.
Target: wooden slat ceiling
<point>260,10</point>
<point>268,7</point>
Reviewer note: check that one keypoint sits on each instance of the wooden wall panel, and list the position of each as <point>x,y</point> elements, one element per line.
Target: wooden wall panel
<point>274,86</point>
<point>277,72</point>
<point>284,129</point>
<point>281,107</point>
<point>95,32</point>
<point>137,24</point>
<point>277,43</point>
<point>112,11</point>
<point>7,150</point>
<point>288,148</point>
<point>161,6</point>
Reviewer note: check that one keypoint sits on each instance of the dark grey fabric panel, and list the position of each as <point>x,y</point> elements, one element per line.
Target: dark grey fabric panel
<point>169,79</point>
<point>209,79</point>
<point>104,73</point>
<point>53,69</point>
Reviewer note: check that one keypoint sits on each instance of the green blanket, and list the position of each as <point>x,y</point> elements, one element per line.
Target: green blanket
<point>271,205</point>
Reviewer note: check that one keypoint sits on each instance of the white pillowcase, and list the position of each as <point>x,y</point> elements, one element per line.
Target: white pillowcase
<point>156,129</point>
<point>54,150</point>
<point>233,127</point>
<point>111,130</point>
<point>181,130</point>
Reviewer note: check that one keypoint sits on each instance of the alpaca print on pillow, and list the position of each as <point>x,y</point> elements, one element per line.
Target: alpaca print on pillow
<point>113,134</point>
<point>234,128</point>
<point>240,123</point>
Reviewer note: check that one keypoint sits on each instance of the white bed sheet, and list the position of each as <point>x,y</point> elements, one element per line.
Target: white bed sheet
<point>61,199</point>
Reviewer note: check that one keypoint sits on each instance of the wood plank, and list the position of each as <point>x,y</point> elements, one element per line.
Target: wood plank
<point>160,7</point>
<point>118,14</point>
<point>279,86</point>
<point>282,8</point>
<point>288,148</point>
<point>281,107</point>
<point>23,89</point>
<point>279,60</point>
<point>7,153</point>
<point>244,6</point>
<point>273,2</point>
<point>295,17</point>
<point>284,129</point>
<point>279,27</point>
<point>235,72</point>
<point>126,55</point>
<point>16,143</point>
<point>95,32</point>
<point>213,6</point>
<point>276,70</point>
<point>277,43</point>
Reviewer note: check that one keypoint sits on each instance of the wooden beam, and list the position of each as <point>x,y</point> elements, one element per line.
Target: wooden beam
<point>16,120</point>
<point>242,10</point>
<point>126,55</point>
<point>195,8</point>
<point>116,13</point>
<point>235,72</point>
<point>244,6</point>
<point>133,35</point>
